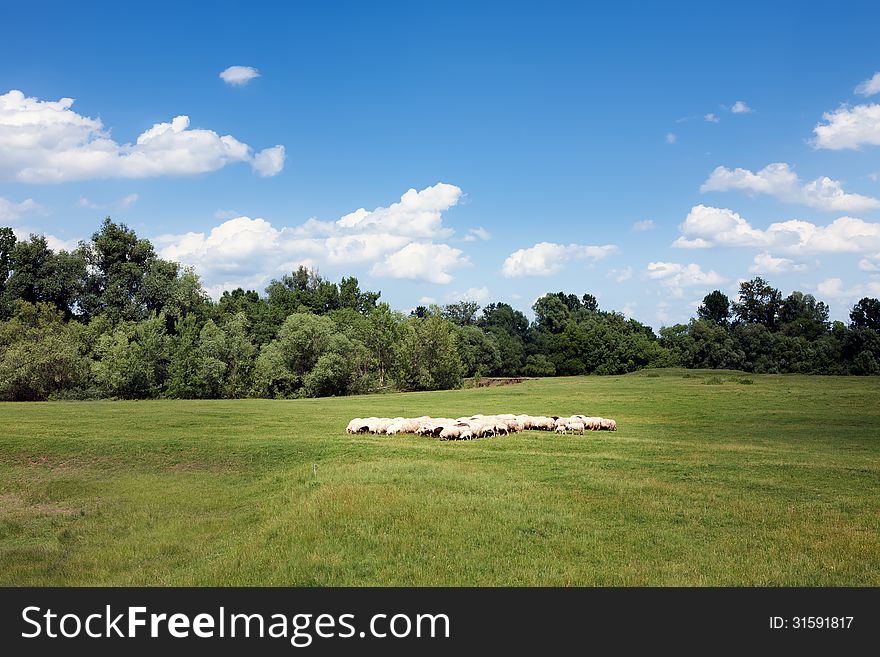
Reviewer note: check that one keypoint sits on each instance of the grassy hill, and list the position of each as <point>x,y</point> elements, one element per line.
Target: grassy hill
<point>714,478</point>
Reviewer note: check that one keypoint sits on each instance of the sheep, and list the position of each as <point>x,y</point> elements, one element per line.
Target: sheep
<point>526,421</point>
<point>450,433</point>
<point>560,429</point>
<point>354,426</point>
<point>575,426</point>
<point>608,425</point>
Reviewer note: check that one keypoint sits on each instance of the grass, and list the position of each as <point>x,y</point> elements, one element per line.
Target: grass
<point>773,483</point>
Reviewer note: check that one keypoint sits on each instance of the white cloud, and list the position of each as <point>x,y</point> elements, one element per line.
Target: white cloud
<point>9,211</point>
<point>427,301</point>
<point>477,294</point>
<point>424,261</point>
<point>739,107</point>
<point>128,201</point>
<point>778,180</point>
<point>833,288</point>
<point>711,118</point>
<point>870,86</point>
<point>83,202</point>
<point>671,138</point>
<point>677,276</point>
<point>546,258</point>
<point>642,226</point>
<point>621,275</point>
<point>870,263</point>
<point>239,75</point>
<point>478,233</point>
<point>248,252</point>
<point>849,128</point>
<point>629,309</point>
<point>764,263</point>
<point>705,227</point>
<point>47,142</point>
<point>269,161</point>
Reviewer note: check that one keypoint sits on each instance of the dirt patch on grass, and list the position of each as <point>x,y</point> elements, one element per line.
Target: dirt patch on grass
<point>15,503</point>
<point>487,382</point>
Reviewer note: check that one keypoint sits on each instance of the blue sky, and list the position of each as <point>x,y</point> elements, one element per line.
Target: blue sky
<point>550,147</point>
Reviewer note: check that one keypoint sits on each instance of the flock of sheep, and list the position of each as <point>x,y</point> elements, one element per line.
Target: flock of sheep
<point>478,426</point>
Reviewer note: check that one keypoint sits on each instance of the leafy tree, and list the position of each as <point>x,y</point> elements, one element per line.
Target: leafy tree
<point>866,313</point>
<point>40,354</point>
<point>133,359</point>
<point>427,355</point>
<point>118,261</point>
<point>715,308</point>
<point>240,356</point>
<point>759,303</point>
<point>712,347</point>
<point>552,313</point>
<point>802,316</point>
<point>479,351</point>
<point>539,365</point>
<point>284,362</point>
<point>505,317</point>
<point>463,313</point>
<point>38,275</point>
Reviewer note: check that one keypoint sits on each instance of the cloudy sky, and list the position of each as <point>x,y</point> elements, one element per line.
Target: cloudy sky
<point>647,155</point>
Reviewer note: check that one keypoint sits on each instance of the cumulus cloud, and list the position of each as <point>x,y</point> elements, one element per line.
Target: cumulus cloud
<point>705,227</point>
<point>424,261</point>
<point>642,226</point>
<point>546,258</point>
<point>478,233</point>
<point>711,118</point>
<point>476,294</point>
<point>48,142</point>
<point>833,288</point>
<point>621,275</point>
<point>778,180</point>
<point>870,86</point>
<point>10,211</point>
<point>677,276</point>
<point>671,138</point>
<point>398,241</point>
<point>764,263</point>
<point>269,161</point>
<point>870,263</point>
<point>128,201</point>
<point>739,107</point>
<point>848,128</point>
<point>239,75</point>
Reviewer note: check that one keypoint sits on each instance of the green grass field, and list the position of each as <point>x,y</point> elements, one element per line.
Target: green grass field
<point>709,481</point>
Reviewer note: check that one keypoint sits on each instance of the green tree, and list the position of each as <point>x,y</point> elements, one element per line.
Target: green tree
<point>133,359</point>
<point>36,274</point>
<point>866,313</point>
<point>40,354</point>
<point>462,313</point>
<point>118,261</point>
<point>715,308</point>
<point>427,355</point>
<point>759,303</point>
<point>478,350</point>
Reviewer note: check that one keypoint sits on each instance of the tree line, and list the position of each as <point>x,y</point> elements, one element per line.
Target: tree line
<point>111,319</point>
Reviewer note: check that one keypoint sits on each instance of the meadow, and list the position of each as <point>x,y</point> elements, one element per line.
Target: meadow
<point>714,478</point>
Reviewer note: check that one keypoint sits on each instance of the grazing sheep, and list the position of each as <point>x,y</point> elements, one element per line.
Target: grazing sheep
<point>608,425</point>
<point>478,426</point>
<point>450,433</point>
